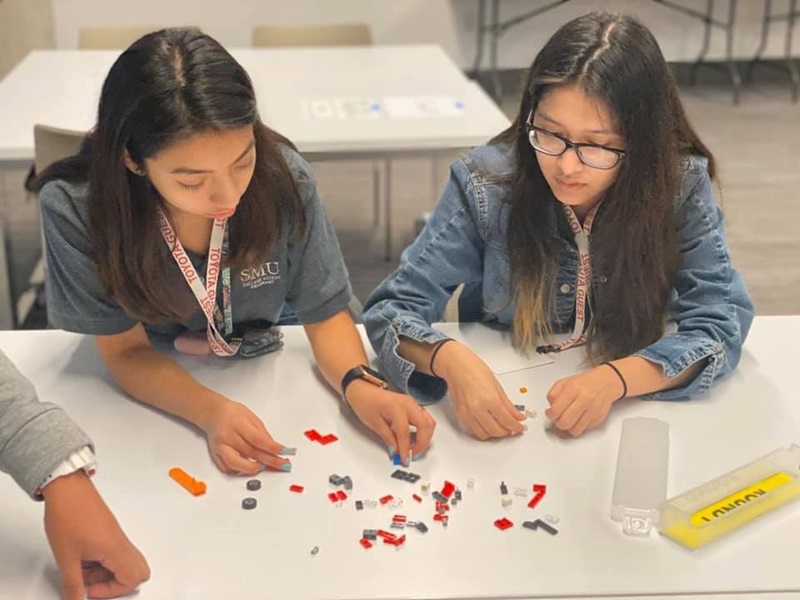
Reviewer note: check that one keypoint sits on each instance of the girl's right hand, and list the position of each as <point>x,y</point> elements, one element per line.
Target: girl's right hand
<point>477,397</point>
<point>239,442</point>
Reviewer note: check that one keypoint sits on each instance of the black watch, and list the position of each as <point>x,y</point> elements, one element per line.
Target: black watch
<point>367,374</point>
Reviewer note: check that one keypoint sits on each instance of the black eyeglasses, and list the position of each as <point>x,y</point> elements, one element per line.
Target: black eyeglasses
<point>552,144</point>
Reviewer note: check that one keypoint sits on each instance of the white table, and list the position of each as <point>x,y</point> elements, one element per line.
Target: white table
<point>210,548</point>
<point>61,88</point>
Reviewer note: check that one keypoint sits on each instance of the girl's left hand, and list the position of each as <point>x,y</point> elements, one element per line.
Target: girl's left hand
<point>390,414</point>
<point>581,402</point>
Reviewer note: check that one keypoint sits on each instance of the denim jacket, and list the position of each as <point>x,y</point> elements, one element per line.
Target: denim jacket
<point>464,242</point>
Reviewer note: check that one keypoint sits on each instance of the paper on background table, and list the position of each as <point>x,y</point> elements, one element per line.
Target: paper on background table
<point>422,107</point>
<point>326,109</point>
<point>509,360</point>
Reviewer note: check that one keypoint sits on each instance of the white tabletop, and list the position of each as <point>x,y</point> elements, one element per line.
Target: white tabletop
<point>209,547</point>
<point>61,88</point>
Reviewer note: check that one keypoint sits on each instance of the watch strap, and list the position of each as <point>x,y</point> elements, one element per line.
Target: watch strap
<point>367,374</point>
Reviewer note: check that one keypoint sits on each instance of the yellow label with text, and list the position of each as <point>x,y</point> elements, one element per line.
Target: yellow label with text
<point>739,499</point>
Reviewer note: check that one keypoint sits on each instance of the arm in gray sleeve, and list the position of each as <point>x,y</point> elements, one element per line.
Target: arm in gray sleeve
<point>35,437</point>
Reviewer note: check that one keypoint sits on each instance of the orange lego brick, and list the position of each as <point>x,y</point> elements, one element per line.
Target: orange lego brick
<point>186,481</point>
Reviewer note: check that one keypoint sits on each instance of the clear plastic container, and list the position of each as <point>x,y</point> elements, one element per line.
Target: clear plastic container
<point>713,509</point>
<point>640,484</point>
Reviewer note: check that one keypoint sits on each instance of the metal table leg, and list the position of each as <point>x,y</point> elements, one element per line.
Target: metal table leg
<point>479,41</point>
<point>762,43</point>
<point>6,301</point>
<point>709,22</point>
<point>789,65</point>
<point>387,191</point>
<point>497,88</point>
<point>736,79</point>
<point>496,28</point>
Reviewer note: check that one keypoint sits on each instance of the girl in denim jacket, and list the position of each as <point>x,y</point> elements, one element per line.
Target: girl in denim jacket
<point>593,215</point>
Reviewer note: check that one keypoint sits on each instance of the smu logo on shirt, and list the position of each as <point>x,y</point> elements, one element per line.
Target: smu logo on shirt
<point>267,273</point>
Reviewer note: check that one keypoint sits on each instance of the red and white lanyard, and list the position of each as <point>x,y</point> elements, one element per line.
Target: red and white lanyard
<point>206,295</point>
<point>584,286</point>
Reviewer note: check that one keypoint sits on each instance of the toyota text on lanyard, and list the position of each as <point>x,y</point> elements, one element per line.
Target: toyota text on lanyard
<point>207,294</point>
<point>584,287</point>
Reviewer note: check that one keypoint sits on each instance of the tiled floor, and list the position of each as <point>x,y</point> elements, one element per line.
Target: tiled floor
<point>757,145</point>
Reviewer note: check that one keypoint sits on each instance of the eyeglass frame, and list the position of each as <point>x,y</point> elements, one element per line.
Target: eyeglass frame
<point>529,126</point>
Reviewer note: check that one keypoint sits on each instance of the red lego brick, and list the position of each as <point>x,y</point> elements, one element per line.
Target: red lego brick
<point>417,498</point>
<point>341,496</point>
<point>312,434</point>
<point>395,541</point>
<point>440,517</point>
<point>535,500</point>
<point>327,439</point>
<point>399,519</point>
<point>333,497</point>
<point>448,489</point>
<point>386,499</point>
<point>298,489</point>
<point>503,524</point>
<point>366,543</point>
<point>539,492</point>
<point>442,507</point>
<point>386,535</point>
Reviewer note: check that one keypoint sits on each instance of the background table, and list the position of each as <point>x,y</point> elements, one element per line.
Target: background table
<point>209,547</point>
<point>496,28</point>
<point>61,88</point>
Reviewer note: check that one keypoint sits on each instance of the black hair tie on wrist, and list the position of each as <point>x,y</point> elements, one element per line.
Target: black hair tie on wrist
<point>621,378</point>
<point>435,352</point>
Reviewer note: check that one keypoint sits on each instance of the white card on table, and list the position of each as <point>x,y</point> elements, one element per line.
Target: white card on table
<point>508,360</point>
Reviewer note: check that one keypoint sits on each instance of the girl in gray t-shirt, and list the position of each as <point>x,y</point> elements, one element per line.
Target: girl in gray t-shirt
<point>184,215</point>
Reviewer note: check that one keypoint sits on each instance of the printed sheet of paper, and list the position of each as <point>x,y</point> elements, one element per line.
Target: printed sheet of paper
<point>422,107</point>
<point>326,109</point>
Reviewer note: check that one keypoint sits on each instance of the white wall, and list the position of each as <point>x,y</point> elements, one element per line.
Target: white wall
<point>449,23</point>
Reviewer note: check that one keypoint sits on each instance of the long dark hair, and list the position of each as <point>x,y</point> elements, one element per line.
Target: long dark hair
<point>616,59</point>
<point>169,85</point>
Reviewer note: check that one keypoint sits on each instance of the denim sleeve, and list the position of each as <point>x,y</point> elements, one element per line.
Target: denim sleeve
<point>447,253</point>
<point>712,309</point>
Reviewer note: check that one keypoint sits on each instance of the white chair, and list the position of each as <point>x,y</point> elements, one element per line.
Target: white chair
<point>111,38</point>
<point>451,309</point>
<point>51,144</point>
<point>282,36</point>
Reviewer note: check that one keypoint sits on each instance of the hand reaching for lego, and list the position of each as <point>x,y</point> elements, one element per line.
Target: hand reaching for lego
<point>477,397</point>
<point>239,442</point>
<point>390,414</point>
<point>581,402</point>
<point>93,554</point>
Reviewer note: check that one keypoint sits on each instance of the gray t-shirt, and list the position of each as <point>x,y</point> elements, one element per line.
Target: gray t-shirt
<point>306,272</point>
